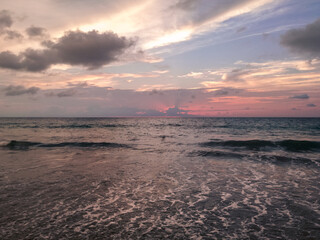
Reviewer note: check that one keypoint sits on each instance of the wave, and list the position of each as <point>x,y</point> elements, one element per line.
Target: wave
<point>111,126</point>
<point>67,126</point>
<point>168,125</point>
<point>71,126</point>
<point>24,145</point>
<point>284,159</point>
<point>293,145</point>
<point>216,154</point>
<point>275,159</point>
<point>20,144</point>
<point>288,145</point>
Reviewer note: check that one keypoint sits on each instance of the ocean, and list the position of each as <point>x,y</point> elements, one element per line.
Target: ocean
<point>159,178</point>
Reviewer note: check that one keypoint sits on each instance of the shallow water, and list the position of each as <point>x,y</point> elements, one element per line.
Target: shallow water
<point>157,178</point>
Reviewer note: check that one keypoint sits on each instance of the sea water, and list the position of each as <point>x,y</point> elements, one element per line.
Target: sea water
<point>159,178</point>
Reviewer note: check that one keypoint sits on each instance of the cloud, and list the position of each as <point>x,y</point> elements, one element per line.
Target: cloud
<point>241,29</point>
<point>277,75</point>
<point>5,19</point>
<point>234,76</point>
<point>64,93</point>
<point>20,90</point>
<point>11,35</point>
<point>102,101</point>
<point>302,96</point>
<point>148,112</point>
<point>9,60</point>
<point>304,40</point>
<point>29,60</point>
<point>78,84</point>
<point>311,105</point>
<point>35,31</point>
<point>191,18</point>
<point>193,75</point>
<point>95,101</point>
<point>89,49</point>
<point>92,49</point>
<point>175,111</point>
<point>67,93</point>
<point>221,92</point>
<point>5,23</point>
<point>202,11</point>
<point>186,5</point>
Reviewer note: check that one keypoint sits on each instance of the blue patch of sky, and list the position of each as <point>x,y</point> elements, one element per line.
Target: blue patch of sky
<point>131,67</point>
<point>258,42</point>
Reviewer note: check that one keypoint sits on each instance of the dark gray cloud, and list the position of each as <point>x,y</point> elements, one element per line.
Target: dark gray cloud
<point>35,60</point>
<point>20,90</point>
<point>304,40</point>
<point>91,50</point>
<point>29,60</point>
<point>11,35</point>
<point>5,19</point>
<point>302,96</point>
<point>311,105</point>
<point>35,31</point>
<point>9,60</point>
<point>64,93</point>
<point>67,93</point>
<point>5,23</point>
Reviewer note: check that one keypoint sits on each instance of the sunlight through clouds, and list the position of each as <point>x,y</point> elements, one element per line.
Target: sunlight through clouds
<point>177,36</point>
<point>240,52</point>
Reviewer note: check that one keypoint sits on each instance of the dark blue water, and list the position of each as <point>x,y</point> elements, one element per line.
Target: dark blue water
<point>160,178</point>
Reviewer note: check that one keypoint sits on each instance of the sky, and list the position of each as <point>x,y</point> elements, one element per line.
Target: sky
<point>106,58</point>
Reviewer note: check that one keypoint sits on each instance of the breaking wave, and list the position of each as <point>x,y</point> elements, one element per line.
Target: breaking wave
<point>275,159</point>
<point>72,126</point>
<point>23,145</point>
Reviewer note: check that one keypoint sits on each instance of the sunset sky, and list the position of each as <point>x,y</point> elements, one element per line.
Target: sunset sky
<point>103,58</point>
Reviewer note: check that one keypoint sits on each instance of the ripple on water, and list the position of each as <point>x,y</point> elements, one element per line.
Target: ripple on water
<point>193,198</point>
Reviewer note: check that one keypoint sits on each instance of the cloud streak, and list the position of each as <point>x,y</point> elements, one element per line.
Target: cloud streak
<point>198,12</point>
<point>311,105</point>
<point>186,5</point>
<point>302,96</point>
<point>67,93</point>
<point>20,90</point>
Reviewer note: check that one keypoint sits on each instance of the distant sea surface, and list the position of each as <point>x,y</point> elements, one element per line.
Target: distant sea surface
<point>159,178</point>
